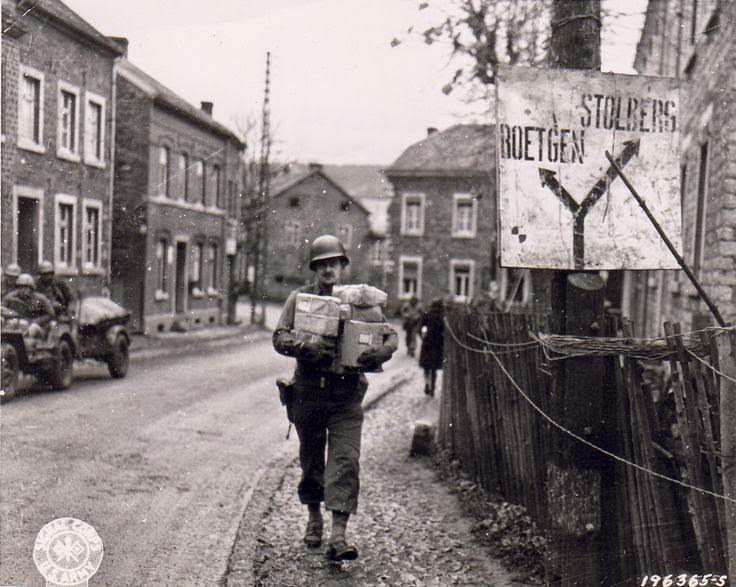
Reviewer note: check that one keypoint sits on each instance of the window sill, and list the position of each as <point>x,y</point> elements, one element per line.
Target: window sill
<point>30,146</point>
<point>463,235</point>
<point>412,233</point>
<point>160,296</point>
<point>68,156</point>
<point>95,163</point>
<point>92,270</point>
<point>65,270</point>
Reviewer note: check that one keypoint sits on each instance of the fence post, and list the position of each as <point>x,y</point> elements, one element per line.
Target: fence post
<point>726,348</point>
<point>574,472</point>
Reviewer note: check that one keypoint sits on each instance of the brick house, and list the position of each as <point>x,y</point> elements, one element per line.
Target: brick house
<point>369,186</point>
<point>695,41</point>
<point>305,205</point>
<point>58,110</point>
<point>442,220</point>
<point>176,207</point>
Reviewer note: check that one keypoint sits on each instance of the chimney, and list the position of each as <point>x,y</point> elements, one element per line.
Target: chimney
<point>207,107</point>
<point>121,42</point>
<point>431,130</point>
<point>315,166</point>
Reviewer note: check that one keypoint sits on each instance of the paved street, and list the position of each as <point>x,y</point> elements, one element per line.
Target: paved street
<point>160,463</point>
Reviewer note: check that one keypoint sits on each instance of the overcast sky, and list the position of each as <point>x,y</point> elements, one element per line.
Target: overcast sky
<point>340,92</point>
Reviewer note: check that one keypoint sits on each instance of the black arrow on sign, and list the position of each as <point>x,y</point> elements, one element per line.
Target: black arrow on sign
<point>580,211</point>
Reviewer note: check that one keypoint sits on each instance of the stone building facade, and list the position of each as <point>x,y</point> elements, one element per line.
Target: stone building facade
<point>177,205</point>
<point>696,42</point>
<point>58,112</point>
<point>303,207</point>
<point>442,220</point>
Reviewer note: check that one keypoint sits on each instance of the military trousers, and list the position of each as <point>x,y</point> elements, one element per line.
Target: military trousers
<point>328,417</point>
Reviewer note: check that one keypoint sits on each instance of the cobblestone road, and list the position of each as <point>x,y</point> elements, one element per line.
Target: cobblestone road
<point>409,530</point>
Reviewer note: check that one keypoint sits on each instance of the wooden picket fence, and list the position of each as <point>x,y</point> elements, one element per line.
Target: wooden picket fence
<point>664,418</point>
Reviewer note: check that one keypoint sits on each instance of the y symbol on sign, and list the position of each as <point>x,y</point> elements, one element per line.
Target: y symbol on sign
<point>580,211</point>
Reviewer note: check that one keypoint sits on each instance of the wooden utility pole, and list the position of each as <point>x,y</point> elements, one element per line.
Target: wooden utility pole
<point>726,345</point>
<point>260,255</point>
<point>577,475</point>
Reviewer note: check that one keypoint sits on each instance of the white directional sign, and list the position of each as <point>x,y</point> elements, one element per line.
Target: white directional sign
<point>561,204</point>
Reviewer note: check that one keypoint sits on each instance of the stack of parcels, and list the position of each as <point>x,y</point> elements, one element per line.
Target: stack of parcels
<point>352,320</point>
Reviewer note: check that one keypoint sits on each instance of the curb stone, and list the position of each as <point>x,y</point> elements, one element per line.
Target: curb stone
<point>240,569</point>
<point>195,344</point>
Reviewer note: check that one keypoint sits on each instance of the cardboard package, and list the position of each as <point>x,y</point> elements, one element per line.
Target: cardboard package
<point>358,337</point>
<point>361,295</point>
<point>317,314</point>
<point>370,314</point>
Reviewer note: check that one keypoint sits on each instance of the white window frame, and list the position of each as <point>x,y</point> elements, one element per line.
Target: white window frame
<point>376,253</point>
<point>59,266</point>
<point>456,200</point>
<point>97,204</point>
<point>165,184</point>
<point>213,274</point>
<point>201,173</point>
<point>183,184</point>
<point>21,191</point>
<point>348,241</point>
<point>216,177</point>
<point>410,259</point>
<point>526,291</point>
<point>90,158</point>
<point>292,232</point>
<point>422,205</point>
<point>24,142</point>
<point>700,230</point>
<point>61,151</point>
<point>454,264</point>
<point>163,259</point>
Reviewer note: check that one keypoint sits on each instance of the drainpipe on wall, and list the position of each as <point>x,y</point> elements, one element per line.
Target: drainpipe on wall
<point>110,203</point>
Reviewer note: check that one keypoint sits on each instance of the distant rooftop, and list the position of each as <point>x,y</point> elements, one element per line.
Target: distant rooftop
<point>364,183</point>
<point>161,93</point>
<point>460,149</point>
<point>62,13</point>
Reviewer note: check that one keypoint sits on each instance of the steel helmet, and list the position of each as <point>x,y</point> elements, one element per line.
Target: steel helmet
<point>12,270</point>
<point>326,247</point>
<point>45,267</point>
<point>24,279</point>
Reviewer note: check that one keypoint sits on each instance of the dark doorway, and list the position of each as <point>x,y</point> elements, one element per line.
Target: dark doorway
<point>28,230</point>
<point>232,298</point>
<point>181,278</point>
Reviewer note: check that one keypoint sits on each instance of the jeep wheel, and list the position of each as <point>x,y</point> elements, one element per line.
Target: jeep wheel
<point>62,373</point>
<point>117,362</point>
<point>9,369</point>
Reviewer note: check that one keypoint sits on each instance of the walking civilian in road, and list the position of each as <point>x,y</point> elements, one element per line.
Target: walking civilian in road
<point>326,409</point>
<point>431,357</point>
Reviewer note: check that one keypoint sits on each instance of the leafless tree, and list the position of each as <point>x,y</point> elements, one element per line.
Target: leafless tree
<point>484,33</point>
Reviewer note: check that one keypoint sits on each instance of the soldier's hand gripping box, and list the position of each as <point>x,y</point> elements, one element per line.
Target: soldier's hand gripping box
<point>317,314</point>
<point>358,337</point>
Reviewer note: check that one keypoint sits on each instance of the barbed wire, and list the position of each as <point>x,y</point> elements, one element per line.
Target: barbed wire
<point>711,367</point>
<point>570,433</point>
